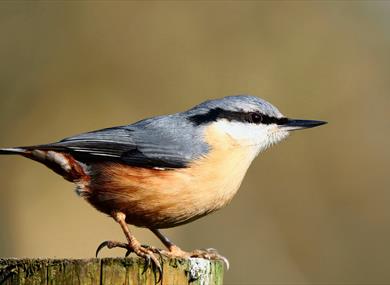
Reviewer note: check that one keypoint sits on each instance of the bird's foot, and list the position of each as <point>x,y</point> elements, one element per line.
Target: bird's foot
<point>144,251</point>
<point>209,253</point>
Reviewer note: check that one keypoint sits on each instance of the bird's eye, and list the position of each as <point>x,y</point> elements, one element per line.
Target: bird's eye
<point>256,118</point>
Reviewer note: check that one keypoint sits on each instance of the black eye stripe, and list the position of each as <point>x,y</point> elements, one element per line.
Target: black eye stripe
<point>248,117</point>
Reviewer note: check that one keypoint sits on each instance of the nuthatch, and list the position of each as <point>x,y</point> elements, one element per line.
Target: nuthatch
<point>167,170</point>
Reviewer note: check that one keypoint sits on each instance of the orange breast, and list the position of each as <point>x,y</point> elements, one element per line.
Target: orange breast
<point>166,198</point>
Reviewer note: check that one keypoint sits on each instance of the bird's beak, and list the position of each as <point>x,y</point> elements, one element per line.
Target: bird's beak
<point>293,124</point>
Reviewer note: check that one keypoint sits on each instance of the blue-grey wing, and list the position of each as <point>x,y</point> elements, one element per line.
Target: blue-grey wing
<point>165,142</point>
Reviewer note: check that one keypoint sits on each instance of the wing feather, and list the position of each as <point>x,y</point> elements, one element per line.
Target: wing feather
<point>158,142</point>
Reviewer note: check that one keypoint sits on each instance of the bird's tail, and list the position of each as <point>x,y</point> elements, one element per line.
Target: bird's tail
<point>61,163</point>
<point>12,150</point>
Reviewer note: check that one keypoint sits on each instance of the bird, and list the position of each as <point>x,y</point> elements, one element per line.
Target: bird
<point>168,170</point>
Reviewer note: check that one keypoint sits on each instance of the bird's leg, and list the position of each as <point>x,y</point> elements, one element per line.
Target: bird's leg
<point>133,245</point>
<point>175,251</point>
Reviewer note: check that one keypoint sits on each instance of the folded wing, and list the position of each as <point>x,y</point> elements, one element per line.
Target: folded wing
<point>149,143</point>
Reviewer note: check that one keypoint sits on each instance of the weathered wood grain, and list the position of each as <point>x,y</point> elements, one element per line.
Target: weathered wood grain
<point>109,271</point>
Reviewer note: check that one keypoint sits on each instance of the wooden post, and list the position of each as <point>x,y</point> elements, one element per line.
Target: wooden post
<point>109,271</point>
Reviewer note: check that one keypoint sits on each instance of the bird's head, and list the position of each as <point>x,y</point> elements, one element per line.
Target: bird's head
<point>248,120</point>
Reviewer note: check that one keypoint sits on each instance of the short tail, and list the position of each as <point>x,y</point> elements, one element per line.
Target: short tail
<point>62,163</point>
<point>12,150</point>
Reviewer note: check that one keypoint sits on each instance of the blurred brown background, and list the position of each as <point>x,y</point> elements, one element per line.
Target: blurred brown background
<point>312,210</point>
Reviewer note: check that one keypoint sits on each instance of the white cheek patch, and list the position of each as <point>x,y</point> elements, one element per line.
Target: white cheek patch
<point>242,132</point>
<point>247,134</point>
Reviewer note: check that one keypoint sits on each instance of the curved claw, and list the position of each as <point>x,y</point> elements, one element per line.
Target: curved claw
<point>158,265</point>
<point>158,251</point>
<point>100,247</point>
<point>225,261</point>
<point>128,252</point>
<point>110,244</point>
<point>214,254</point>
<point>147,263</point>
<point>160,272</point>
<point>150,260</point>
